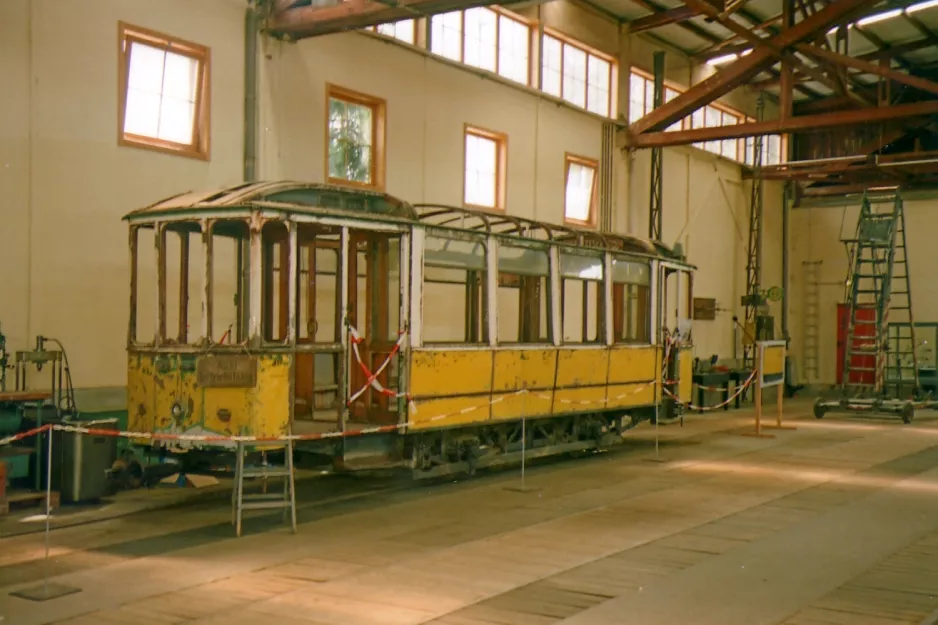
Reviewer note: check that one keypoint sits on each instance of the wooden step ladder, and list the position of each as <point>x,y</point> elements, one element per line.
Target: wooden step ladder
<point>286,500</point>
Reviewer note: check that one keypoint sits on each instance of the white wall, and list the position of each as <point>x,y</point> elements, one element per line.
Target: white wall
<point>429,101</point>
<point>65,182</point>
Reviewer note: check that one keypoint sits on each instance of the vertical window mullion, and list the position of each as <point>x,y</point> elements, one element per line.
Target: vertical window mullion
<point>586,67</point>
<point>563,47</point>
<point>498,42</point>
<point>463,36</point>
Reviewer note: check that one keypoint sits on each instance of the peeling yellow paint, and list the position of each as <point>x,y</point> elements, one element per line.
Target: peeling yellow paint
<point>437,373</point>
<point>155,382</point>
<point>686,380</point>
<point>576,367</point>
<point>633,364</point>
<point>532,369</point>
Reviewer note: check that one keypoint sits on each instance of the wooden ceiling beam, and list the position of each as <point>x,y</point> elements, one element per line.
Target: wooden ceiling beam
<point>662,18</point>
<point>869,68</point>
<point>744,68</point>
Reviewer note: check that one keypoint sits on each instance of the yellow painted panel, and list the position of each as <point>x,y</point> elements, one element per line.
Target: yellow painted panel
<point>686,369</point>
<point>773,362</point>
<point>514,406</point>
<point>260,411</point>
<point>626,395</point>
<point>584,399</point>
<point>140,393</point>
<point>633,364</point>
<point>516,369</point>
<point>434,413</point>
<point>450,372</point>
<point>582,367</point>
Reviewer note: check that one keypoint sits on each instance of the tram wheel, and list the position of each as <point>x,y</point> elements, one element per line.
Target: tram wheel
<point>908,412</point>
<point>819,410</point>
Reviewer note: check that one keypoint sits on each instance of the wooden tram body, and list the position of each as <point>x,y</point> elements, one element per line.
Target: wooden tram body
<point>245,320</point>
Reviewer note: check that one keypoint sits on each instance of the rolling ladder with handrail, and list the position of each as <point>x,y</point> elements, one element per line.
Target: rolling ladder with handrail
<point>878,291</point>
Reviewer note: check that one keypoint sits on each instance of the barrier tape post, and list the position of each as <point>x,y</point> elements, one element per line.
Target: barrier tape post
<point>523,488</point>
<point>46,591</point>
<point>657,457</point>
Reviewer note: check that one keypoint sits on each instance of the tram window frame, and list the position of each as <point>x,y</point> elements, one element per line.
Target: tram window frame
<point>275,296</point>
<point>459,267</point>
<point>578,269</point>
<point>631,284</point>
<point>239,233</point>
<point>531,277</point>
<point>144,271</point>
<point>183,331</point>
<point>326,248</point>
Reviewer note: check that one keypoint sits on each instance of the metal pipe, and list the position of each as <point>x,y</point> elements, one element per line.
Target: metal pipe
<point>250,94</point>
<point>833,159</point>
<point>921,161</point>
<point>786,256</point>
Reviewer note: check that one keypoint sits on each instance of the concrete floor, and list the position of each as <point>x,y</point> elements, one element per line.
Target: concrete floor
<point>836,522</point>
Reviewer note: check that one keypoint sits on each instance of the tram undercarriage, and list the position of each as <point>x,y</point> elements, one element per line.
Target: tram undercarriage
<point>464,450</point>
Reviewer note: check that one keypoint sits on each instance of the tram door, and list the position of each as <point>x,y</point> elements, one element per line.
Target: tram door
<point>375,307</point>
<point>319,363</point>
<point>674,306</point>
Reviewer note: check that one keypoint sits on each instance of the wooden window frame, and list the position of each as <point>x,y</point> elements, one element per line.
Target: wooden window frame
<point>499,13</point>
<point>378,107</point>
<point>648,76</point>
<point>413,25</point>
<point>200,148</point>
<point>570,159</point>
<point>501,166</point>
<point>613,69</point>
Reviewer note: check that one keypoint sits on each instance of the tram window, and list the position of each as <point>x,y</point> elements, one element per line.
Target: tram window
<point>631,301</point>
<point>275,282</point>
<point>454,293</point>
<point>394,288</point>
<point>523,304</point>
<point>318,292</point>
<point>582,298</point>
<point>183,261</point>
<point>228,237</point>
<point>376,266</point>
<point>143,312</point>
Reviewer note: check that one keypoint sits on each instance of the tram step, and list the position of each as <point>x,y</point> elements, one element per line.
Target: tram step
<point>265,505</point>
<point>270,472</point>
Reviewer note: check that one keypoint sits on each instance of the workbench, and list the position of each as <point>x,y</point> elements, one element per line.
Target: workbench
<point>717,379</point>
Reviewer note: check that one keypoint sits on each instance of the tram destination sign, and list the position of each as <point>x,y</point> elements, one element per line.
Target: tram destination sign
<point>227,372</point>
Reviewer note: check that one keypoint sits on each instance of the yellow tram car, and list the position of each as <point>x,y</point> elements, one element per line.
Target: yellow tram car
<point>276,308</point>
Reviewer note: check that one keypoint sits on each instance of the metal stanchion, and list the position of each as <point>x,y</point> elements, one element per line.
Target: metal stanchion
<point>657,457</point>
<point>524,446</point>
<point>46,591</point>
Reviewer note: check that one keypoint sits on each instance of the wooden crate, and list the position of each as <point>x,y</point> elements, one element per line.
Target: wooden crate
<point>15,500</point>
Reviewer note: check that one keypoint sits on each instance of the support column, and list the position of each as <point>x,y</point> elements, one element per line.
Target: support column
<point>786,256</point>
<point>753,299</point>
<point>657,158</point>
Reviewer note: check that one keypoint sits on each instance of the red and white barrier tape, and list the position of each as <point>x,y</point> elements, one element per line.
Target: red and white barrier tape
<point>6,440</point>
<point>726,402</point>
<point>372,378</point>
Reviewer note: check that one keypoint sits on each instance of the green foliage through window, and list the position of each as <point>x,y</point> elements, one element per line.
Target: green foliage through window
<point>350,141</point>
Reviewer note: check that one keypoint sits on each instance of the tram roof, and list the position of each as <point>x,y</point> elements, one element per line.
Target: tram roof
<point>316,198</point>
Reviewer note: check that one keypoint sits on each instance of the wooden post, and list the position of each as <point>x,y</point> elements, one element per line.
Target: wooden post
<point>758,364</point>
